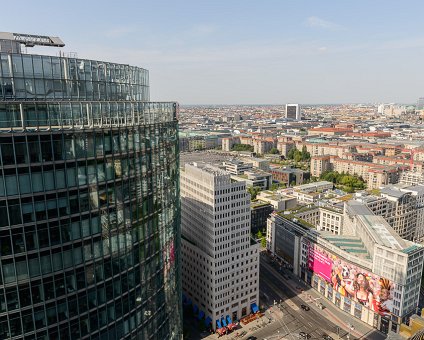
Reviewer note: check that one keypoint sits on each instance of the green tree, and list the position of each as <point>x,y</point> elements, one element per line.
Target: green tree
<point>242,147</point>
<point>274,151</point>
<point>253,191</point>
<point>263,242</point>
<point>290,154</point>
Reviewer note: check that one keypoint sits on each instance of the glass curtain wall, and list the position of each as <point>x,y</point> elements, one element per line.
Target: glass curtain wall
<point>89,202</point>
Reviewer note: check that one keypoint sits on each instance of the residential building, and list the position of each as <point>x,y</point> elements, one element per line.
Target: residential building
<point>284,147</point>
<point>319,165</point>
<point>411,177</point>
<point>373,174</point>
<point>263,145</point>
<point>220,265</point>
<point>229,142</point>
<point>89,199</point>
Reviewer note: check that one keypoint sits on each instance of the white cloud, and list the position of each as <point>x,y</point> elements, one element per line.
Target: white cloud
<point>316,22</point>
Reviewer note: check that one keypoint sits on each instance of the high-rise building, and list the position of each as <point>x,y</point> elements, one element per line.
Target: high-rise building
<point>293,111</point>
<point>220,266</point>
<point>89,199</point>
<point>420,103</point>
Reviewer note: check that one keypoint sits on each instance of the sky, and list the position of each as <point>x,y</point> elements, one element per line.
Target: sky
<point>243,51</point>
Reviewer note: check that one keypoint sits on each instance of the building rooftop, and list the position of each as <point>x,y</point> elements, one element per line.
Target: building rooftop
<point>381,232</point>
<point>350,244</point>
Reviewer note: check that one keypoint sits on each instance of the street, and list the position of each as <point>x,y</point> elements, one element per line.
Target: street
<point>289,320</point>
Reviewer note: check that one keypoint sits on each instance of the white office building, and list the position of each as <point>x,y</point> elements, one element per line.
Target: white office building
<point>220,265</point>
<point>293,112</point>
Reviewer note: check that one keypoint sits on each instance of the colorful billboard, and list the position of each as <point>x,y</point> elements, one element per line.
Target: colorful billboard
<point>367,289</point>
<point>319,262</point>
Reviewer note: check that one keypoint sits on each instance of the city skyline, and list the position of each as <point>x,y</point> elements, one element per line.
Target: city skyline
<point>245,53</point>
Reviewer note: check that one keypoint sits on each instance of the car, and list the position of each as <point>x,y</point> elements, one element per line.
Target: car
<point>304,307</point>
<point>252,338</point>
<point>304,335</point>
<point>327,337</point>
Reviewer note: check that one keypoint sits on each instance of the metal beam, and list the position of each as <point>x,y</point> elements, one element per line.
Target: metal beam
<point>32,40</point>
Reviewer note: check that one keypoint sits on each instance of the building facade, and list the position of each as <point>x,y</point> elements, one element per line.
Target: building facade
<point>89,201</point>
<point>367,249</point>
<point>293,112</point>
<point>220,265</point>
<point>260,212</point>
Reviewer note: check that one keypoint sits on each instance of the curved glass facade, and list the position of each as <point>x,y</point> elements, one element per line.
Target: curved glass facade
<point>89,203</point>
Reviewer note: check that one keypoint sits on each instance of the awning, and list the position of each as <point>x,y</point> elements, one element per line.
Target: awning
<point>195,308</point>
<point>228,319</point>
<point>201,315</point>
<point>254,307</point>
<point>218,324</point>
<point>224,323</point>
<point>208,321</point>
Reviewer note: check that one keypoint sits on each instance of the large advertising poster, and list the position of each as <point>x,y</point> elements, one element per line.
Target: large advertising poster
<point>319,262</point>
<point>369,290</point>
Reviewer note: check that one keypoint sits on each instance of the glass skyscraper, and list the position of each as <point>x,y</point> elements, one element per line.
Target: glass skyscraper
<point>89,200</point>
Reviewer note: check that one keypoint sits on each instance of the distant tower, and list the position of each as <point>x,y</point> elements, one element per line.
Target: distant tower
<point>420,103</point>
<point>293,111</point>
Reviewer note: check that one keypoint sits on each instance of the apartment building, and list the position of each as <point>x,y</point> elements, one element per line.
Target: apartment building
<point>220,266</point>
<point>319,165</point>
<point>380,174</point>
<point>411,177</point>
<point>228,143</point>
<point>284,147</point>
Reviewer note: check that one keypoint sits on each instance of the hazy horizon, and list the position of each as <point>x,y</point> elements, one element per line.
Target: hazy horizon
<point>239,52</point>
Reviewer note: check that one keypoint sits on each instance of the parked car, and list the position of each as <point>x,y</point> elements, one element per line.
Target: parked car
<point>327,337</point>
<point>304,335</point>
<point>304,307</point>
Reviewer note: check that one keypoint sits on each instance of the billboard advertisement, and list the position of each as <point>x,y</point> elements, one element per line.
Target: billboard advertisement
<point>369,290</point>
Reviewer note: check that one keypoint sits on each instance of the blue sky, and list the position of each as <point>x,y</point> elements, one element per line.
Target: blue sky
<point>242,51</point>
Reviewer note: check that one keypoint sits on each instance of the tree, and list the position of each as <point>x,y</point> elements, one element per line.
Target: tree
<point>274,151</point>
<point>259,234</point>
<point>253,191</point>
<point>306,156</point>
<point>348,183</point>
<point>263,242</point>
<point>242,147</point>
<point>290,154</point>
